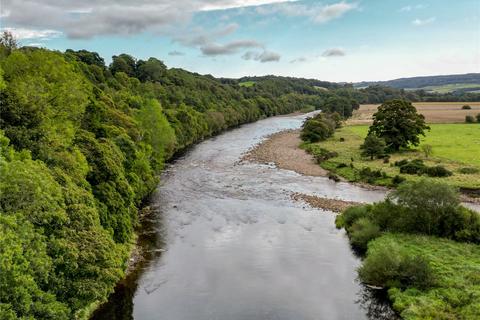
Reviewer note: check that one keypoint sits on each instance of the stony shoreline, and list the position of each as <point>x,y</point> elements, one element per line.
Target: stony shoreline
<point>334,205</point>
<point>282,149</point>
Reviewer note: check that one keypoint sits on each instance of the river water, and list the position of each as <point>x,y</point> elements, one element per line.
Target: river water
<point>225,241</point>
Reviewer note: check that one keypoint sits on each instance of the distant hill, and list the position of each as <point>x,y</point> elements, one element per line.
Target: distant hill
<point>427,81</point>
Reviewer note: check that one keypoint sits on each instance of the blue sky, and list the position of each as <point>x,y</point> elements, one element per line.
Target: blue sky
<point>328,40</point>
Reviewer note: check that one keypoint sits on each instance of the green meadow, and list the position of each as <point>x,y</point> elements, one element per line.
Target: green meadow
<point>456,273</point>
<point>455,146</point>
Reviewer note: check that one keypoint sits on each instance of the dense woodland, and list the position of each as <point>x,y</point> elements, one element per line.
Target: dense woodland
<point>81,146</point>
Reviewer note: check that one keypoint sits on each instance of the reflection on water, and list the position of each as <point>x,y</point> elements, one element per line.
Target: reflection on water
<point>226,242</point>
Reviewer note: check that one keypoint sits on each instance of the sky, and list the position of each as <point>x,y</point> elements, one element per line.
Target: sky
<point>343,41</point>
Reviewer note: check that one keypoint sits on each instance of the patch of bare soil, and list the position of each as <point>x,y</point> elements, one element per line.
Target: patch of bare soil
<point>282,149</point>
<point>334,205</point>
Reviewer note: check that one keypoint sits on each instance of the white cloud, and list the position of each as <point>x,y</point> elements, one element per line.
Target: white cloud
<point>318,13</point>
<point>333,52</point>
<point>22,33</point>
<point>265,56</point>
<point>213,49</point>
<point>410,7</point>
<point>421,22</point>
<point>231,4</point>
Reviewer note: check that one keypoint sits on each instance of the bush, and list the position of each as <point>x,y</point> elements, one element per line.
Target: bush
<point>468,170</point>
<point>341,165</point>
<point>466,107</point>
<point>478,117</point>
<point>436,171</point>
<point>469,119</point>
<point>362,231</point>
<point>322,154</point>
<point>373,146</point>
<point>398,179</point>
<point>333,176</point>
<point>342,139</point>
<point>423,207</point>
<point>401,162</point>
<point>318,128</point>
<point>388,266</point>
<point>350,215</point>
<point>413,167</point>
<point>427,150</point>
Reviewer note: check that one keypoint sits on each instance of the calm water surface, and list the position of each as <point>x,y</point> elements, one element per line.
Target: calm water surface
<point>226,242</point>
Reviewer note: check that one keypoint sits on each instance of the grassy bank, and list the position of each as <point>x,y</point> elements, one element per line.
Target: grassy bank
<point>456,275</point>
<point>455,147</point>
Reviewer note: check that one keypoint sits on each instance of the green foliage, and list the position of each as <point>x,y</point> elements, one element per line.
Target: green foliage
<point>417,166</point>
<point>468,170</point>
<point>387,265</point>
<point>427,150</point>
<point>373,146</point>
<point>318,128</point>
<point>399,124</point>
<point>423,207</point>
<point>452,288</point>
<point>362,231</point>
<point>469,119</point>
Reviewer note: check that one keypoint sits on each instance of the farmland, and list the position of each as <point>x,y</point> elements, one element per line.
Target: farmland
<point>434,112</point>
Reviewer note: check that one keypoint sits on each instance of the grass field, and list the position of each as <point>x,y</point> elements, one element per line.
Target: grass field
<point>450,87</point>
<point>434,112</point>
<point>247,84</point>
<point>456,271</point>
<point>455,146</point>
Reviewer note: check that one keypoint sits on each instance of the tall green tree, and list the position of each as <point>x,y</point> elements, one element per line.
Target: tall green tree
<point>399,124</point>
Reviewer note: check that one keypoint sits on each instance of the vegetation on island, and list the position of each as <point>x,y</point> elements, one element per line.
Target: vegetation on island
<point>422,246</point>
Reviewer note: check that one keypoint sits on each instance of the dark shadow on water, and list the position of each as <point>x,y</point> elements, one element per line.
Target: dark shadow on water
<point>376,304</point>
<point>151,242</point>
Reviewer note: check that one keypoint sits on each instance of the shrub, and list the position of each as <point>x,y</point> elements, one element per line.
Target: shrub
<point>389,266</point>
<point>342,165</point>
<point>362,231</point>
<point>318,128</point>
<point>436,171</point>
<point>322,154</point>
<point>478,117</point>
<point>412,167</point>
<point>427,150</point>
<point>401,162</point>
<point>333,176</point>
<point>373,146</point>
<point>386,159</point>
<point>350,215</point>
<point>422,207</point>
<point>398,179</point>
<point>342,139</point>
<point>469,119</point>
<point>466,107</point>
<point>468,170</point>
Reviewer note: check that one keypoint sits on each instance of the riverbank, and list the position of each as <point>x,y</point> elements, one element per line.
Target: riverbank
<point>282,149</point>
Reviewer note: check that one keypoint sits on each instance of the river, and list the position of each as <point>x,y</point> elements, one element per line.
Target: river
<point>225,241</point>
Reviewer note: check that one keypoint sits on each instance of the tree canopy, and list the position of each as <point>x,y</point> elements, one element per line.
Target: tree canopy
<point>399,124</point>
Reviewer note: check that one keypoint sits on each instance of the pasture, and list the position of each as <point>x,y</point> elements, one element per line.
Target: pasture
<point>455,146</point>
<point>434,112</point>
